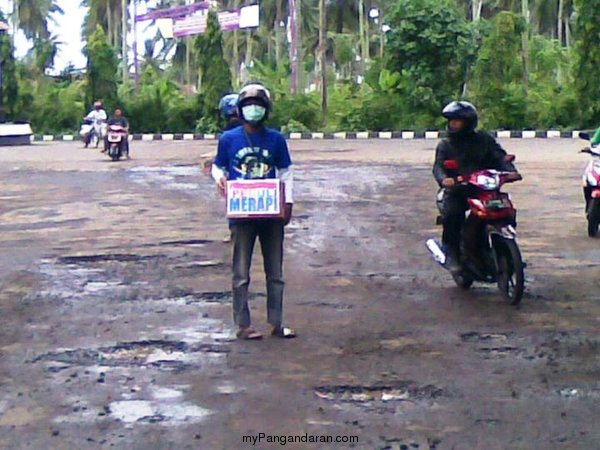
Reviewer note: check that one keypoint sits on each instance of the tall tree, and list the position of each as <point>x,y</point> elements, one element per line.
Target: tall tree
<point>497,82</point>
<point>101,76</point>
<point>587,53</point>
<point>10,87</point>
<point>32,16</point>
<point>215,77</point>
<point>428,45</point>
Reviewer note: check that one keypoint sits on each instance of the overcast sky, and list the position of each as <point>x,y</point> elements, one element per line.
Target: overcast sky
<point>68,31</point>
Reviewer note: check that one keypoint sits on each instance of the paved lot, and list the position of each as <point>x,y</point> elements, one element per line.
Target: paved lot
<point>115,326</point>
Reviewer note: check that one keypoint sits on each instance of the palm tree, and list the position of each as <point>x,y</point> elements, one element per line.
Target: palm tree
<point>32,16</point>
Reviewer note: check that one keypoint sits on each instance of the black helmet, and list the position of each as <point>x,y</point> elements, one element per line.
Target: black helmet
<point>256,92</point>
<point>464,111</point>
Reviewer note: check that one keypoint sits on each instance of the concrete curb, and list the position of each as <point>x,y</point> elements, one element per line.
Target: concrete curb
<point>398,135</point>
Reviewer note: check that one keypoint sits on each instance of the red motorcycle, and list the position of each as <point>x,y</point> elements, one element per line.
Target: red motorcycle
<point>117,140</point>
<point>489,252</point>
<point>591,187</point>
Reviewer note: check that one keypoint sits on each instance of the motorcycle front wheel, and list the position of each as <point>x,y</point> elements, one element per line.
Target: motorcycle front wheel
<point>511,276</point>
<point>593,217</point>
<point>463,280</point>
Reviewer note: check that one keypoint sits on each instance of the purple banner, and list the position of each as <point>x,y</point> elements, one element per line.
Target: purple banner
<point>247,17</point>
<point>178,11</point>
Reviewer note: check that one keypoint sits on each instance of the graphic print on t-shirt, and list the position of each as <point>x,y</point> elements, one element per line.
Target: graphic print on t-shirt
<point>252,163</point>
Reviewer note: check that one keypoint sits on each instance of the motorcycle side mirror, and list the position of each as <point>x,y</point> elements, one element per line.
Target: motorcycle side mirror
<point>510,158</point>
<point>451,164</point>
<point>584,136</point>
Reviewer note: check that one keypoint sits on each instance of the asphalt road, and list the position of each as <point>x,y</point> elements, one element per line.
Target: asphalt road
<point>115,316</point>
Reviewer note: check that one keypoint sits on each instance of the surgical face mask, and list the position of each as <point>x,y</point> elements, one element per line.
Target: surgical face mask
<point>253,114</point>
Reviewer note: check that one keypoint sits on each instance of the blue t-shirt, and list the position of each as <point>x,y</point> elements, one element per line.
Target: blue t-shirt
<point>251,156</point>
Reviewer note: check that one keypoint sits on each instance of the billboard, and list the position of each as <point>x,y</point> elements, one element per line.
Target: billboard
<point>246,17</point>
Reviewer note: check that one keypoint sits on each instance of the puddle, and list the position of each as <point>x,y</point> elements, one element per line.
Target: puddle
<point>398,391</point>
<point>145,411</point>
<point>165,355</point>
<point>220,297</point>
<point>177,178</point>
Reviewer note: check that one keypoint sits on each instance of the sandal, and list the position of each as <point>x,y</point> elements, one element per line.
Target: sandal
<point>248,334</point>
<point>283,332</point>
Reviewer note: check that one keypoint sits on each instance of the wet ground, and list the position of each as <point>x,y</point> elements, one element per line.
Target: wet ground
<point>115,326</point>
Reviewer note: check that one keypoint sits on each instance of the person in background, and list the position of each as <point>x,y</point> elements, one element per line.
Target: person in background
<point>253,151</point>
<point>97,116</point>
<point>119,119</point>
<point>229,111</point>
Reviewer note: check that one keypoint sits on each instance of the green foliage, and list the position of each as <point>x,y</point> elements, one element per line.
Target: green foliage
<point>551,100</point>
<point>497,84</point>
<point>214,70</point>
<point>101,70</point>
<point>159,106</point>
<point>433,54</point>
<point>428,47</point>
<point>587,54</point>
<point>54,107</point>
<point>11,87</point>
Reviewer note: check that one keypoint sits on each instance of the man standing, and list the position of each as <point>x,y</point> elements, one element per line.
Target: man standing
<point>253,151</point>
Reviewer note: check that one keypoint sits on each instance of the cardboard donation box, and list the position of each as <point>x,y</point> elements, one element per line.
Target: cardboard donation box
<point>255,199</point>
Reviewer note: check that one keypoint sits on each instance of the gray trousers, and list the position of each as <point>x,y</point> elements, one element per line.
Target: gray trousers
<point>243,236</point>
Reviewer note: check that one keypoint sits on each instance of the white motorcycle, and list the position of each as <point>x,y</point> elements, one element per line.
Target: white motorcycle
<point>591,187</point>
<point>93,129</point>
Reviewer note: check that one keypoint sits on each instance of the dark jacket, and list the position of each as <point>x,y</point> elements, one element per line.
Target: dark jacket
<point>122,121</point>
<point>474,151</point>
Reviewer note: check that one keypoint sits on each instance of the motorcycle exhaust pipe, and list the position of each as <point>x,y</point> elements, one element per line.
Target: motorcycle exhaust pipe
<point>436,251</point>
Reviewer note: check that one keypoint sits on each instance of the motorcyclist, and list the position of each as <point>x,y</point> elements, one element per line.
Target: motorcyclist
<point>473,150</point>
<point>96,116</point>
<point>119,119</point>
<point>229,111</point>
<point>587,190</point>
<point>596,139</point>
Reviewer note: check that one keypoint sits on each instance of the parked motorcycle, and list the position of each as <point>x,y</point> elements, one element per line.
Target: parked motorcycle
<point>489,252</point>
<point>117,139</point>
<point>591,187</point>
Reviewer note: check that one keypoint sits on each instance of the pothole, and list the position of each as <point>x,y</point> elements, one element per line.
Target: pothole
<point>501,345</point>
<point>336,306</point>
<point>475,336</point>
<point>220,297</point>
<point>108,257</point>
<point>570,392</point>
<point>397,391</point>
<point>397,443</point>
<point>168,355</point>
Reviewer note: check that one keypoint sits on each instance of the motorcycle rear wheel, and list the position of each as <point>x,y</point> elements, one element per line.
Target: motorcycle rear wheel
<point>593,217</point>
<point>511,279</point>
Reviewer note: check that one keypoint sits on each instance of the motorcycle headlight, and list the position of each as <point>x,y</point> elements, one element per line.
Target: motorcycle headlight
<point>488,182</point>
